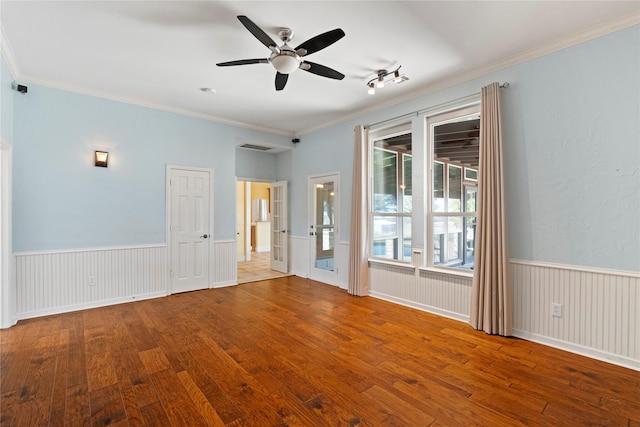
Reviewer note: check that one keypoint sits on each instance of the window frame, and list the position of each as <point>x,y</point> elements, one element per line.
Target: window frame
<point>466,112</point>
<point>400,215</point>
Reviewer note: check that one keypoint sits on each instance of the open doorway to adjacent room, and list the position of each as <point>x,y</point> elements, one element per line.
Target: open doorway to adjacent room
<point>253,231</point>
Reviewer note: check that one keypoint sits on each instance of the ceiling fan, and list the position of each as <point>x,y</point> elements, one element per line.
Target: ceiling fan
<point>284,58</point>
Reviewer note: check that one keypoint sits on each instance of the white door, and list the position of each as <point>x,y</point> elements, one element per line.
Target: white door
<point>323,228</point>
<point>279,227</point>
<point>190,228</point>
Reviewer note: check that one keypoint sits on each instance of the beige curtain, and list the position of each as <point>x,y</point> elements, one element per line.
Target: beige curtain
<point>358,254</point>
<point>491,305</point>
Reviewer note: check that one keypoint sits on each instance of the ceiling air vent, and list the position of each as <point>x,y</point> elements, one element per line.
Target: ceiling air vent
<point>255,147</point>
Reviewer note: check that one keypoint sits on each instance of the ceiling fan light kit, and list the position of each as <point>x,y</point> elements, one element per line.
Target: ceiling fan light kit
<point>286,62</point>
<point>285,59</point>
<point>381,75</point>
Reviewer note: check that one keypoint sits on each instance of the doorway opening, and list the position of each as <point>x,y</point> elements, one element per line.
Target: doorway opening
<point>254,223</point>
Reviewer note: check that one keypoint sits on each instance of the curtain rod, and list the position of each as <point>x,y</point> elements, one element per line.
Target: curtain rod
<point>504,85</point>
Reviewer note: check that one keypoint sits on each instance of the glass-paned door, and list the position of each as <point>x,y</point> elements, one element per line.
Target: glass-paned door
<point>323,228</point>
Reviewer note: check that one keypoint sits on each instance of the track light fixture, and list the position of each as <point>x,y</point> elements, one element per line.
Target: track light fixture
<point>381,78</point>
<point>396,76</point>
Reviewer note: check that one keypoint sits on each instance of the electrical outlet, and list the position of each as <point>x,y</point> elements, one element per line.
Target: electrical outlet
<point>556,310</point>
<point>92,281</point>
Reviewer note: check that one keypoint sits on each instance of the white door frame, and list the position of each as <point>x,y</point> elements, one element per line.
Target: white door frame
<point>282,233</point>
<point>169,169</point>
<point>246,205</point>
<point>7,292</point>
<point>325,276</point>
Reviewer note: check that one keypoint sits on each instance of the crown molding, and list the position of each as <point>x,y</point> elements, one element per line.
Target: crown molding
<point>140,103</point>
<point>527,55</point>
<point>7,54</point>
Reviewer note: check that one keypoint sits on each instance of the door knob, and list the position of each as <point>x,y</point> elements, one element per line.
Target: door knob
<point>204,236</point>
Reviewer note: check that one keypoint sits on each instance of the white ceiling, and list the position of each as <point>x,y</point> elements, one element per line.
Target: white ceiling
<point>160,53</point>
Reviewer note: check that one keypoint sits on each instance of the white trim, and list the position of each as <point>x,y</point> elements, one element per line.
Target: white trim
<point>419,306</point>
<point>575,39</point>
<point>224,284</point>
<point>585,269</point>
<point>578,349</point>
<point>7,54</point>
<point>85,306</point>
<point>224,241</point>
<point>448,271</point>
<point>7,286</point>
<point>102,248</point>
<point>380,261</point>
<point>146,104</point>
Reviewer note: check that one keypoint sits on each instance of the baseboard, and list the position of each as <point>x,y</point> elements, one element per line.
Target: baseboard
<point>578,349</point>
<point>86,306</point>
<point>224,284</point>
<point>418,306</point>
<point>301,274</point>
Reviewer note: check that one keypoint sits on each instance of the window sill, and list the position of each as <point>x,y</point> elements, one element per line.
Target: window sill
<point>448,271</point>
<point>392,263</point>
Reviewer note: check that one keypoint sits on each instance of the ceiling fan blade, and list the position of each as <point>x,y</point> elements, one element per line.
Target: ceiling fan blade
<point>281,80</point>
<point>321,70</point>
<point>243,62</point>
<point>258,33</point>
<point>320,41</point>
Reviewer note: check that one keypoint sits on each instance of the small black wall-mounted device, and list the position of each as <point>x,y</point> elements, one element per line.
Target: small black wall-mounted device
<point>22,88</point>
<point>295,140</point>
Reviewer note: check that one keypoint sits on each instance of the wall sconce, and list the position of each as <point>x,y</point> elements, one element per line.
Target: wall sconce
<point>381,75</point>
<point>102,158</point>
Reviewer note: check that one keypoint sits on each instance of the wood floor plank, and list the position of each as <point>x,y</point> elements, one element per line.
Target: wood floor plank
<point>399,407</point>
<point>39,380</point>
<point>106,406</point>
<point>14,367</point>
<point>100,372</point>
<point>8,407</point>
<point>294,352</point>
<point>78,406</point>
<point>33,412</point>
<point>154,415</point>
<point>180,409</point>
<point>59,396</point>
<point>204,406</point>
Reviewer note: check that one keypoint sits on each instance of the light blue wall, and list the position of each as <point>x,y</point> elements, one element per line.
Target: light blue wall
<point>62,201</point>
<point>571,129</point>
<point>6,102</point>
<point>255,165</point>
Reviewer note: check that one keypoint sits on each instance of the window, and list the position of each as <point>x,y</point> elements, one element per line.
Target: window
<point>391,201</point>
<point>451,220</point>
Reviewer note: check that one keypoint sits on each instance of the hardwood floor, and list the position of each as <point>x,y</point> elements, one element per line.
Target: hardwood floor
<point>293,352</point>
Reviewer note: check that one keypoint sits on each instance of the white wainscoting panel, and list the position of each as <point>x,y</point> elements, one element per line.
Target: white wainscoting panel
<point>600,310</point>
<point>224,263</point>
<point>299,256</point>
<point>442,294</point>
<point>60,281</point>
